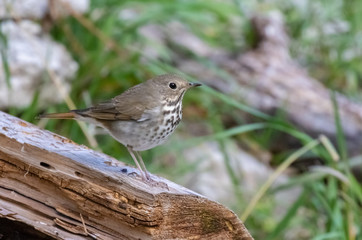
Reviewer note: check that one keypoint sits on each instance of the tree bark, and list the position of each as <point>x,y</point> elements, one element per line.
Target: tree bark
<point>53,188</point>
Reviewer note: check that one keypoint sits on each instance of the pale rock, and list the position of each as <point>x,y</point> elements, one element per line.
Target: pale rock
<point>212,179</point>
<point>30,54</point>
<point>38,9</point>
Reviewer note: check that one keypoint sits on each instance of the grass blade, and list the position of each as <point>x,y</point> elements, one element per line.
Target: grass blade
<point>4,60</point>
<point>283,224</point>
<point>275,175</point>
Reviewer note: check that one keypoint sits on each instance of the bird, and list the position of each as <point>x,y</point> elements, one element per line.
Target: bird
<point>140,118</point>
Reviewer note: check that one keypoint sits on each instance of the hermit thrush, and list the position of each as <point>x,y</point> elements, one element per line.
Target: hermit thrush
<point>140,118</point>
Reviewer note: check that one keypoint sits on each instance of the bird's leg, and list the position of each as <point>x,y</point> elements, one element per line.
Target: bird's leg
<point>143,165</point>
<point>148,176</point>
<point>137,164</point>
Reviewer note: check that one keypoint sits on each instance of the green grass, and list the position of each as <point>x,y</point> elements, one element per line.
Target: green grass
<point>107,49</point>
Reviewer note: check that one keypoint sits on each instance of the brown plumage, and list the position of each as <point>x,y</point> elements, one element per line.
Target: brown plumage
<point>67,115</point>
<point>140,118</point>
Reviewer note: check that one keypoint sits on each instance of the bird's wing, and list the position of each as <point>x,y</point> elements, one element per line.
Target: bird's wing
<point>123,107</point>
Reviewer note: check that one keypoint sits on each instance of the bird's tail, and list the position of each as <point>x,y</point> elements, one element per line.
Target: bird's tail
<point>67,115</point>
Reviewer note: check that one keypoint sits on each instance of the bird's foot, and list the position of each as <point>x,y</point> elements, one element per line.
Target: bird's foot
<point>145,177</point>
<point>159,184</point>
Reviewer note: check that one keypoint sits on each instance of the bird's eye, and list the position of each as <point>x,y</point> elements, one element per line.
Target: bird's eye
<point>172,85</point>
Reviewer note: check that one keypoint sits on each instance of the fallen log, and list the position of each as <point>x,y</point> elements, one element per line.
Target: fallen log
<point>53,188</point>
<point>267,78</point>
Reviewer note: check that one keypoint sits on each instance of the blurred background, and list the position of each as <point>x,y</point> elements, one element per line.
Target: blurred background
<point>275,133</point>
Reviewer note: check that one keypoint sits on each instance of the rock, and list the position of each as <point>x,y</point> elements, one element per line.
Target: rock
<point>30,54</point>
<point>24,9</point>
<point>212,179</point>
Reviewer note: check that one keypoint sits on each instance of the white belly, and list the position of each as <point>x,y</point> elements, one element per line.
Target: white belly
<point>144,135</point>
<point>138,136</point>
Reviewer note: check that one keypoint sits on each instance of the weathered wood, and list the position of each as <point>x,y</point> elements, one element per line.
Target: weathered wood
<point>56,189</point>
<point>267,78</point>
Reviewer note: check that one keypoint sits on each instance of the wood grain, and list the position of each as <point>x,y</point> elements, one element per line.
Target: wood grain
<point>56,189</point>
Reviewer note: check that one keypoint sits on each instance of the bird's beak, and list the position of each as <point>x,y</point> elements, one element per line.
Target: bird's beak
<point>194,84</point>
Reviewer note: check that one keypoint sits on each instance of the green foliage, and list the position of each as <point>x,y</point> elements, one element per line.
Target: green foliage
<point>325,38</point>
<point>4,61</point>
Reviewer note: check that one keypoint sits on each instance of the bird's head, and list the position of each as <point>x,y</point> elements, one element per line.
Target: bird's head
<point>171,87</point>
